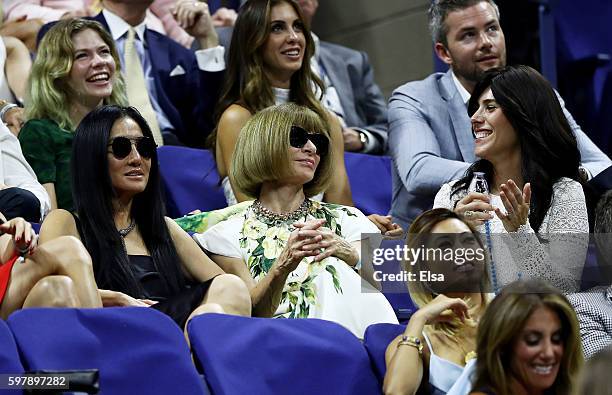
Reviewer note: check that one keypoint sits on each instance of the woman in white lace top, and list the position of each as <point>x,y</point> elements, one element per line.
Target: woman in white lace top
<point>535,218</point>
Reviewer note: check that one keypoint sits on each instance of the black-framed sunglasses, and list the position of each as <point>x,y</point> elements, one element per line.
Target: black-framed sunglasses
<point>121,146</point>
<point>299,137</point>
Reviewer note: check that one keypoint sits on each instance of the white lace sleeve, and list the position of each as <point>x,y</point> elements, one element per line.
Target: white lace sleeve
<point>557,253</point>
<point>443,197</point>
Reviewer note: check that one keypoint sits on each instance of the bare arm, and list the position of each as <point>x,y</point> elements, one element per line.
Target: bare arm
<point>50,188</point>
<point>24,30</point>
<point>404,362</point>
<point>195,263</point>
<point>18,65</point>
<point>230,124</point>
<point>339,190</point>
<point>265,294</point>
<point>401,360</point>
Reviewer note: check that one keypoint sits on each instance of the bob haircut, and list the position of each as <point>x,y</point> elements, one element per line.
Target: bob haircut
<point>93,195</point>
<point>420,292</point>
<point>262,149</point>
<point>548,146</point>
<point>48,93</point>
<point>246,83</point>
<point>502,324</point>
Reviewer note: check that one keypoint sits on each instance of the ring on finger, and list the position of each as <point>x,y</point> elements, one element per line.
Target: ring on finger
<point>468,213</point>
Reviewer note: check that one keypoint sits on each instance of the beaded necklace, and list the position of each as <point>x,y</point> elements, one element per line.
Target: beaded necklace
<point>269,217</point>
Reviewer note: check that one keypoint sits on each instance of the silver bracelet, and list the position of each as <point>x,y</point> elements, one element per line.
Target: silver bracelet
<point>5,109</point>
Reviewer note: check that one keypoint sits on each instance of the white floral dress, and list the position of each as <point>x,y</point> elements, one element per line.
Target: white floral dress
<point>330,289</point>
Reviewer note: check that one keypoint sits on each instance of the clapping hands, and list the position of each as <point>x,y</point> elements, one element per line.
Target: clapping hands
<point>516,203</point>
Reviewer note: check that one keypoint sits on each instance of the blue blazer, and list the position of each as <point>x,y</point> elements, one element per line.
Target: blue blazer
<point>188,100</point>
<point>431,143</point>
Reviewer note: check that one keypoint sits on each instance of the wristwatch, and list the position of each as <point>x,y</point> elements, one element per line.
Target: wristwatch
<point>584,173</point>
<point>363,138</point>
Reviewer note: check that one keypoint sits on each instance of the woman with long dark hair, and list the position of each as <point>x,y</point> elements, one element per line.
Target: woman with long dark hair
<point>140,256</point>
<point>530,159</point>
<point>269,63</point>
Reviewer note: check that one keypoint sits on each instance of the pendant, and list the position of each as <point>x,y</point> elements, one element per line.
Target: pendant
<point>470,355</point>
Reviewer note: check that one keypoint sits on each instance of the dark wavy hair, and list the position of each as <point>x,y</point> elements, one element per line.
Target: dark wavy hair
<point>246,82</point>
<point>548,146</point>
<point>93,194</point>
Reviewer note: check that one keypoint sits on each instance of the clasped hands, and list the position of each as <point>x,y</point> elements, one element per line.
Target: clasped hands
<point>312,239</point>
<point>476,207</point>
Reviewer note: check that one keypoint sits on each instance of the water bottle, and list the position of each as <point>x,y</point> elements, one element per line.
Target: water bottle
<point>479,183</point>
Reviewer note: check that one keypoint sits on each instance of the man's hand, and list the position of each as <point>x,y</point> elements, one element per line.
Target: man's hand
<point>194,17</point>
<point>14,120</point>
<point>224,17</point>
<point>352,142</point>
<point>387,227</point>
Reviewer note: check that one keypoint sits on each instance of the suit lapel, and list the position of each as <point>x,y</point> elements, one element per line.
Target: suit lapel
<point>100,18</point>
<point>459,117</point>
<point>337,74</point>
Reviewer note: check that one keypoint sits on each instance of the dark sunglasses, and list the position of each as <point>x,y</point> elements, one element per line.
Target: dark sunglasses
<point>121,146</point>
<point>299,137</point>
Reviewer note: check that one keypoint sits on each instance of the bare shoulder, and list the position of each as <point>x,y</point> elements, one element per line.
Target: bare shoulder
<point>234,116</point>
<point>58,223</point>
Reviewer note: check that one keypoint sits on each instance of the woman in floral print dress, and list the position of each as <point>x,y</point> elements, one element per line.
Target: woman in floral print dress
<point>299,258</point>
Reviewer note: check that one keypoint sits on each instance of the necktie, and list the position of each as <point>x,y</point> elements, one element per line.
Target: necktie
<point>137,92</point>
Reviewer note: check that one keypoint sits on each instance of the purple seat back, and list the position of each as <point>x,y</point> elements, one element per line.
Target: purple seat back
<point>190,180</point>
<point>376,339</point>
<point>370,179</point>
<point>137,350</point>
<point>265,356</point>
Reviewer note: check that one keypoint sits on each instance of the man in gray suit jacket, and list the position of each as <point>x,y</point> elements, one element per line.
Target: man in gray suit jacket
<point>351,91</point>
<point>430,135</point>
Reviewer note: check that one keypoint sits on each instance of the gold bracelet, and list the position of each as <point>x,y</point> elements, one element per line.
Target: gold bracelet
<point>411,341</point>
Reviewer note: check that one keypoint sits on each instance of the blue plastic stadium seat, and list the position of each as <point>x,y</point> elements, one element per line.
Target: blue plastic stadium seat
<point>190,180</point>
<point>280,356</point>
<point>396,292</point>
<point>370,179</point>
<point>137,350</point>
<point>377,338</point>
<point>9,356</point>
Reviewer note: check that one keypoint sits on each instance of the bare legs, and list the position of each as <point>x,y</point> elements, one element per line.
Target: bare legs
<point>72,280</point>
<point>227,294</point>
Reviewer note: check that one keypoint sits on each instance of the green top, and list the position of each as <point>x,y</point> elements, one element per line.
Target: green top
<point>48,149</point>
